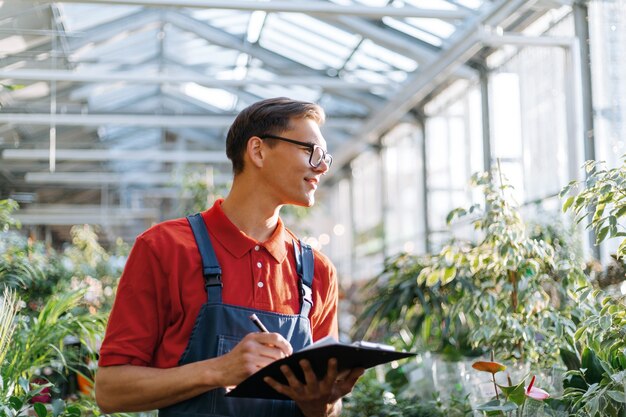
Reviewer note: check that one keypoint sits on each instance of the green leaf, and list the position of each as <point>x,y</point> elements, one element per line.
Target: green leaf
<point>570,359</point>
<point>15,403</point>
<point>617,396</point>
<point>568,203</point>
<point>40,409</point>
<point>602,234</point>
<point>58,406</point>
<point>72,411</point>
<point>606,321</point>
<point>457,212</point>
<point>448,275</point>
<point>621,250</point>
<point>593,368</point>
<point>24,384</point>
<point>433,278</point>
<point>514,393</point>
<point>579,333</point>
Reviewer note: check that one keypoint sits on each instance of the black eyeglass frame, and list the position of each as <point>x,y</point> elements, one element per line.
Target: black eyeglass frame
<point>309,145</point>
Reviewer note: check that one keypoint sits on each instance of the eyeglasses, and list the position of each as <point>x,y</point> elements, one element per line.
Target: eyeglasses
<point>317,155</point>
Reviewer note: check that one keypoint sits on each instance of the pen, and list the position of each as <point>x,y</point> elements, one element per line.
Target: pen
<point>258,323</point>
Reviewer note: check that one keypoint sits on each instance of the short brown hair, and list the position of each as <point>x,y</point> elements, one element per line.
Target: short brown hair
<point>266,117</point>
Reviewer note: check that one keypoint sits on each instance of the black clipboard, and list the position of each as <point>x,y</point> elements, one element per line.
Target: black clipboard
<point>358,355</point>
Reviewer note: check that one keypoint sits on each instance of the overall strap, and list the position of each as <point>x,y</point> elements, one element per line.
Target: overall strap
<point>210,266</point>
<point>304,266</point>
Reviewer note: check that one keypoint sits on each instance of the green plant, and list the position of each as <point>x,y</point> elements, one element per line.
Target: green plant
<point>373,398</point>
<point>39,341</point>
<point>6,221</point>
<point>510,280</point>
<point>8,311</point>
<point>603,197</point>
<point>396,304</point>
<point>34,337</point>
<point>595,384</point>
<point>198,191</point>
<point>20,405</point>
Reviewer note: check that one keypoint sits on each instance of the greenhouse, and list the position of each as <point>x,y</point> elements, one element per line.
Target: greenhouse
<point>471,163</point>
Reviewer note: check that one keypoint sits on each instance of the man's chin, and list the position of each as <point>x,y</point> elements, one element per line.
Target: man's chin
<point>309,202</point>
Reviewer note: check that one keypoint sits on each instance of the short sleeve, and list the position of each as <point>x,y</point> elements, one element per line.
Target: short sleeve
<point>139,312</point>
<point>324,318</point>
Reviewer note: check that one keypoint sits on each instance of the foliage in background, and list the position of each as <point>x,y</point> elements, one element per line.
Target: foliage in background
<point>63,301</point>
<point>373,398</point>
<point>198,192</point>
<point>397,305</point>
<point>8,310</point>
<point>603,198</point>
<point>508,292</point>
<point>518,295</point>
<point>24,404</point>
<point>596,382</point>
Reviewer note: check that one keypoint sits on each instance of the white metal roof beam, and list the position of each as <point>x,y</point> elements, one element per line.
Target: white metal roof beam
<point>101,155</point>
<point>309,7</point>
<point>524,40</point>
<point>145,120</point>
<point>135,78</point>
<point>109,178</point>
<point>66,214</point>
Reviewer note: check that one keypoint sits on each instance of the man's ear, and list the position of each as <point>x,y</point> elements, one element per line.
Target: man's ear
<point>255,151</point>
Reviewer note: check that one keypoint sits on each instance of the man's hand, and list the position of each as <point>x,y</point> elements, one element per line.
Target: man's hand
<point>317,398</point>
<point>252,353</point>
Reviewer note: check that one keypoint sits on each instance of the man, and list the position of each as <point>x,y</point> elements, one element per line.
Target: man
<point>178,334</point>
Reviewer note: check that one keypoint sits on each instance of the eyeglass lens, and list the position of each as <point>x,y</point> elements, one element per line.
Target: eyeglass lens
<point>318,156</point>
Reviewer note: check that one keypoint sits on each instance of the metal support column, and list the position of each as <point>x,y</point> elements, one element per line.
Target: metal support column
<point>581,29</point>
<point>486,122</point>
<point>422,123</point>
<point>384,201</point>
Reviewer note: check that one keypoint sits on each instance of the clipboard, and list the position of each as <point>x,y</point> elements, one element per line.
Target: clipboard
<point>349,356</point>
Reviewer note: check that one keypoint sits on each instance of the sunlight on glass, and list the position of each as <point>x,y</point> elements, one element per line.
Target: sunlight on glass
<point>213,96</point>
<point>257,19</point>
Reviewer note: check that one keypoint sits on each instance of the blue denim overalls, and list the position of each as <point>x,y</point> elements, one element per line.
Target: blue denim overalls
<point>219,327</point>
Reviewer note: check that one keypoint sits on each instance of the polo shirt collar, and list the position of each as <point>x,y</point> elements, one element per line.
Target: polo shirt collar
<point>238,243</point>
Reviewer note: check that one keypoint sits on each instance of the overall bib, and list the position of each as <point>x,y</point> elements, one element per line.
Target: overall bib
<point>219,327</point>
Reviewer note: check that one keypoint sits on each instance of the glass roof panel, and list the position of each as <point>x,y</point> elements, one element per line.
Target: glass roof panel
<point>137,46</point>
<point>296,92</point>
<point>77,17</point>
<point>231,21</point>
<point>213,96</point>
<point>412,28</point>
<point>472,4</point>
<point>373,63</point>
<point>187,49</point>
<point>307,40</point>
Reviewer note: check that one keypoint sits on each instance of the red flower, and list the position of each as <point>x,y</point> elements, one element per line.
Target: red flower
<point>44,395</point>
<point>491,367</point>
<point>534,392</point>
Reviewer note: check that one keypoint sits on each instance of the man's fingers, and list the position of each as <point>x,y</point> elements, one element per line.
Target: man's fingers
<point>292,380</point>
<point>343,375</point>
<point>274,339</point>
<point>280,388</point>
<point>309,375</point>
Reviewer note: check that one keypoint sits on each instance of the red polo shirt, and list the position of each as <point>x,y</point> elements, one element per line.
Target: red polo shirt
<point>162,288</point>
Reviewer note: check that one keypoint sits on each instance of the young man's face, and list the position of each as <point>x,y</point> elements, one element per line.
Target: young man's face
<point>291,177</point>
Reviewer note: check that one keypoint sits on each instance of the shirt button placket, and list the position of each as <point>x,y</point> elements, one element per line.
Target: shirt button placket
<point>259,266</point>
